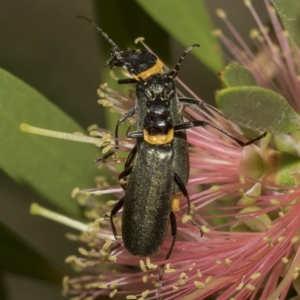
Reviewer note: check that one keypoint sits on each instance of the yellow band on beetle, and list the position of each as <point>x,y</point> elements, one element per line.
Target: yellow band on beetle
<point>159,139</point>
<point>157,68</point>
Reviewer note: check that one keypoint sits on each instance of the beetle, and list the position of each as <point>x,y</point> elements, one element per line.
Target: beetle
<point>146,67</point>
<point>157,155</point>
<point>157,169</point>
<point>141,64</point>
<point>155,166</point>
<point>149,192</point>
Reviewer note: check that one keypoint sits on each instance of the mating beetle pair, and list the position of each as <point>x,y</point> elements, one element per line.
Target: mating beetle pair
<point>159,163</point>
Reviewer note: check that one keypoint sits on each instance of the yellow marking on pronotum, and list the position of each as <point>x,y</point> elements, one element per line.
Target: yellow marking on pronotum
<point>159,139</point>
<point>176,201</point>
<point>157,68</point>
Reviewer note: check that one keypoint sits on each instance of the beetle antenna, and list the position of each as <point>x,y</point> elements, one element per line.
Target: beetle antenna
<point>104,34</point>
<point>175,71</point>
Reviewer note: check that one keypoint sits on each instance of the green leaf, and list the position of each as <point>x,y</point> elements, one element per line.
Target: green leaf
<point>258,108</point>
<point>188,22</point>
<point>20,258</point>
<point>236,75</point>
<point>287,173</point>
<point>51,167</point>
<point>289,12</point>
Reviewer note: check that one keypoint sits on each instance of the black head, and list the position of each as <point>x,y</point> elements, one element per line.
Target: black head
<point>118,58</point>
<point>157,84</point>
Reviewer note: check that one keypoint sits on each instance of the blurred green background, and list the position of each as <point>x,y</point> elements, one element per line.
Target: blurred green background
<point>43,44</point>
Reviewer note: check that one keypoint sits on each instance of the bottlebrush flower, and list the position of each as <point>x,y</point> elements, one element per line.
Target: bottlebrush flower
<point>247,200</point>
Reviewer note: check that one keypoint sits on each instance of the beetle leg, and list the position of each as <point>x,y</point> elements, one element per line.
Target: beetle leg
<point>161,268</point>
<point>199,123</point>
<point>114,211</point>
<point>123,119</point>
<point>127,81</point>
<point>127,167</point>
<point>186,195</point>
<point>200,103</point>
